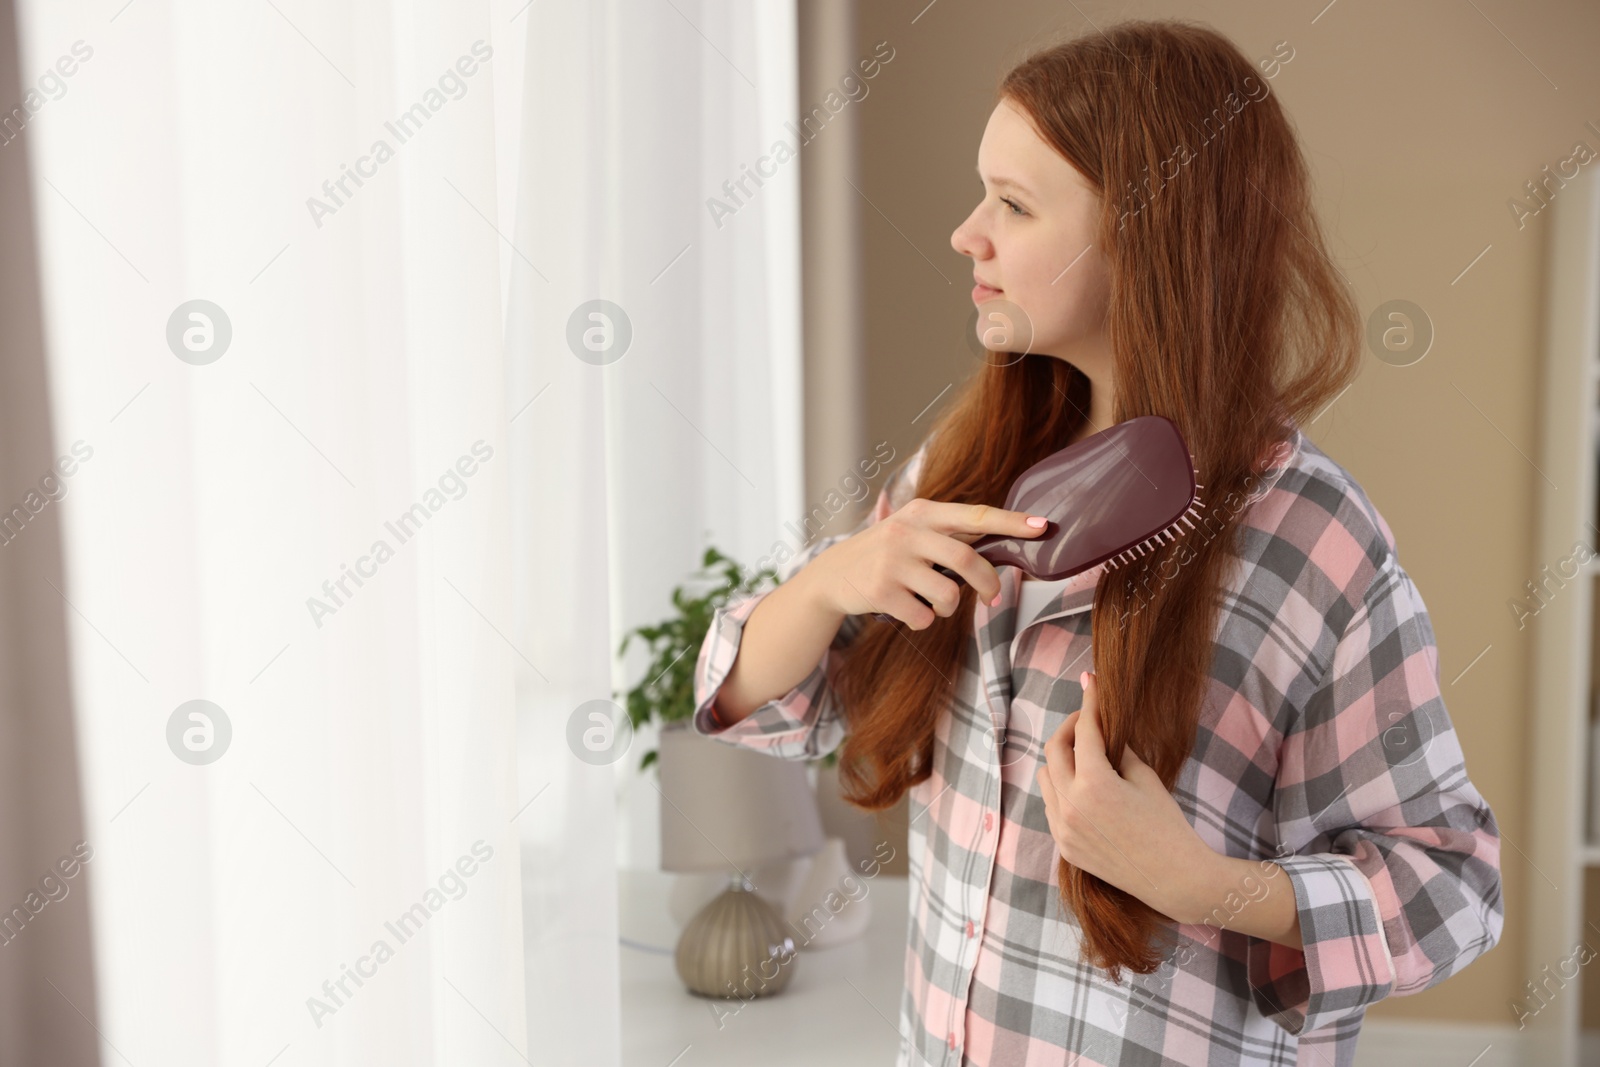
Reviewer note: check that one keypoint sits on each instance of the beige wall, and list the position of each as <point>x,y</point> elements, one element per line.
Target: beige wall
<point>1420,120</point>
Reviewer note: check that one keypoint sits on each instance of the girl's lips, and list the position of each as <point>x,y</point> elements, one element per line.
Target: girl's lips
<point>980,293</point>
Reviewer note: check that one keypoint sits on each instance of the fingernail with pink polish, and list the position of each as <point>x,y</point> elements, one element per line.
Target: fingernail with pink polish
<point>1037,521</point>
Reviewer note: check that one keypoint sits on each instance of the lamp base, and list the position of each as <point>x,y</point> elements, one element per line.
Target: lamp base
<point>736,948</point>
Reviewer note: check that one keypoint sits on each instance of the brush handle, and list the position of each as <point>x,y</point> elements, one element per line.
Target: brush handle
<point>946,571</point>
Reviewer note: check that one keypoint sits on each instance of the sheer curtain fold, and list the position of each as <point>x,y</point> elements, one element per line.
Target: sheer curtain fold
<point>681,427</point>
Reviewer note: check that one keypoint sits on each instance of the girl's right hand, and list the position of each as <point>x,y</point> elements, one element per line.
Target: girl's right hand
<point>884,567</point>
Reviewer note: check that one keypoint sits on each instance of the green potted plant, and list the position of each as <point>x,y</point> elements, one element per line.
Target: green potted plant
<point>665,696</point>
<point>666,693</point>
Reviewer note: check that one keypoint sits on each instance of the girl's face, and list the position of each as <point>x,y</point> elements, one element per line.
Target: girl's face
<point>1032,238</point>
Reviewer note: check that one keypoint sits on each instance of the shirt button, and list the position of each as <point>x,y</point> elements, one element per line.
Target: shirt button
<point>952,1041</point>
<point>988,820</point>
<point>970,931</point>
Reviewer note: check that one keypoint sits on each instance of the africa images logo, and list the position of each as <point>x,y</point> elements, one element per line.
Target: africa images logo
<point>453,884</point>
<point>403,528</point>
<point>406,126</point>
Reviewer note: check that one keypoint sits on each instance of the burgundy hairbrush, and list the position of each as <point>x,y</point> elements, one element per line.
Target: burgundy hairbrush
<point>1110,498</point>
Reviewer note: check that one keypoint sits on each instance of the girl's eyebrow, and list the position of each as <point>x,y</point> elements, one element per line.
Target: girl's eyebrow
<point>1008,182</point>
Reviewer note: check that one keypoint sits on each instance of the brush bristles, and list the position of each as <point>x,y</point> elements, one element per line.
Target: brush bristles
<point>1165,536</point>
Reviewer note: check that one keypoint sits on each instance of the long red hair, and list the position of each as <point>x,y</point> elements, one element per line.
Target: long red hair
<point>1226,316</point>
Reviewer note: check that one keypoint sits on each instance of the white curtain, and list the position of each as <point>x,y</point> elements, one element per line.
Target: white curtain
<point>704,413</point>
<point>637,116</point>
<point>311,273</point>
<point>309,528</point>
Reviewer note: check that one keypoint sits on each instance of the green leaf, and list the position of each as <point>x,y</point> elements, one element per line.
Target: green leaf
<point>665,693</point>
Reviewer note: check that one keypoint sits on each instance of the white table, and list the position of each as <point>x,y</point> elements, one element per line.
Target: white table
<point>843,1004</point>
<point>841,1007</point>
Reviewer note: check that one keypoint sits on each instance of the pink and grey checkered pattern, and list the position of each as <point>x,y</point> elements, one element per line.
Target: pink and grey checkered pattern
<point>1324,747</point>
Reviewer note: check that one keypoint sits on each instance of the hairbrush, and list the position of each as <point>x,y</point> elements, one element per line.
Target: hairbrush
<point>1110,498</point>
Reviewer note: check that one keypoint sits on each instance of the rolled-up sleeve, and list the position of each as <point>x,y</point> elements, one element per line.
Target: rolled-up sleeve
<point>804,723</point>
<point>807,722</point>
<point>1393,855</point>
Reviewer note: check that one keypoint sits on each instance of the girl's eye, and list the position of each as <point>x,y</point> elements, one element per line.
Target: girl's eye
<point>1015,209</point>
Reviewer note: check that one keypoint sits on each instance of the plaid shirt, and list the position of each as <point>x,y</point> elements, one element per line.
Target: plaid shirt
<point>1324,747</point>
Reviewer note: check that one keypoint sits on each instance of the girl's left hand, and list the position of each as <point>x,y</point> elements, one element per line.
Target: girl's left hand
<point>1123,828</point>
